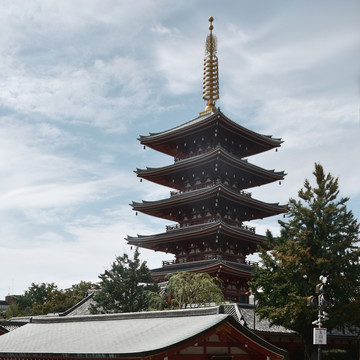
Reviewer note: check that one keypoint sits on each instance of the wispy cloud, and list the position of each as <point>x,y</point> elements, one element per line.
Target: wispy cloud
<point>81,80</point>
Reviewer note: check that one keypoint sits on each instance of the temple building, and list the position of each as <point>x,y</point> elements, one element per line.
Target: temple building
<point>203,334</point>
<point>209,204</point>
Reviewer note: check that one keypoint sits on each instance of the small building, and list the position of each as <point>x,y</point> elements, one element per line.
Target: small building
<point>4,305</point>
<point>205,333</point>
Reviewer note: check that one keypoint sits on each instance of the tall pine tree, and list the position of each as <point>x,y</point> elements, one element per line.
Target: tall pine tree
<point>125,287</point>
<point>320,239</point>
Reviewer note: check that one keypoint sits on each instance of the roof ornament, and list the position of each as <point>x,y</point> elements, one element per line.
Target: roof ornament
<point>211,73</point>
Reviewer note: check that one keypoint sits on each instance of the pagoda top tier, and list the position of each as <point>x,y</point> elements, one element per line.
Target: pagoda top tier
<point>207,132</point>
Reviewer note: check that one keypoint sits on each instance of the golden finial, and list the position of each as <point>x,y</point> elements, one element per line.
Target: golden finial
<point>211,72</point>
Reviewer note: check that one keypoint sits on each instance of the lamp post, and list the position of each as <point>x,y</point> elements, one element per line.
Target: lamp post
<point>320,301</point>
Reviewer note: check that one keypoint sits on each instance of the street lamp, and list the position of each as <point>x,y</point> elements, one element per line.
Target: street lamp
<point>321,301</point>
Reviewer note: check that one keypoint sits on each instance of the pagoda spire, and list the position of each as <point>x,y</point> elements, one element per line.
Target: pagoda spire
<point>211,73</point>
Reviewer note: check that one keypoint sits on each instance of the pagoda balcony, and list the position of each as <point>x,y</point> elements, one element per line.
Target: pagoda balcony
<point>172,227</point>
<point>209,220</point>
<point>207,257</point>
<point>194,187</point>
<point>192,154</point>
<point>202,186</point>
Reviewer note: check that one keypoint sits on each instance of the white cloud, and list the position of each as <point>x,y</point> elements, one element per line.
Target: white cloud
<point>161,29</point>
<point>178,62</point>
<point>82,96</point>
<point>81,80</point>
<point>58,194</point>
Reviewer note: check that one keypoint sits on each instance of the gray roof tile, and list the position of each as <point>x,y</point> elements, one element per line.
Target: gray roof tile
<point>103,334</point>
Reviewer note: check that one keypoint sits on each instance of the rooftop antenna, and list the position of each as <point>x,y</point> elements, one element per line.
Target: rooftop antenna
<point>211,72</point>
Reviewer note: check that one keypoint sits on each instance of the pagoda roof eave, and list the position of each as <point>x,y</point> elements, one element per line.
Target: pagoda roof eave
<point>205,266</point>
<point>218,151</point>
<point>202,121</point>
<point>220,189</point>
<point>195,231</point>
<point>198,119</point>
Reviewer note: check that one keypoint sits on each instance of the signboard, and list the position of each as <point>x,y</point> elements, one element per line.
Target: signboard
<point>320,336</point>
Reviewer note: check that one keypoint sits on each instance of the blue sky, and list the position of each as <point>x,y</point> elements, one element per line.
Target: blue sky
<point>81,80</point>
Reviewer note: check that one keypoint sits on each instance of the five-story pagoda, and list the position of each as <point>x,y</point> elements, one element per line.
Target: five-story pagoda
<point>209,204</point>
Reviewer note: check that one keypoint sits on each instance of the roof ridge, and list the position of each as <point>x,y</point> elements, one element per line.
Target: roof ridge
<point>215,310</point>
<point>85,299</point>
<point>178,126</point>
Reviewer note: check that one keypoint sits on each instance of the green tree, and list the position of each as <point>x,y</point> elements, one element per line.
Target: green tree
<point>125,287</point>
<point>12,311</point>
<point>34,298</point>
<point>61,300</point>
<point>45,298</point>
<point>319,240</point>
<point>193,290</point>
<point>75,294</point>
<point>184,290</point>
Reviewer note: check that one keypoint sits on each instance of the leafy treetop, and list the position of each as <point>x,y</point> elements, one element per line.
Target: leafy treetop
<point>44,298</point>
<point>193,290</point>
<point>124,287</point>
<point>320,240</point>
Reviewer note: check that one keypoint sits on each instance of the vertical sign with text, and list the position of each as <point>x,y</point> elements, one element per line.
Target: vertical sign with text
<point>320,336</point>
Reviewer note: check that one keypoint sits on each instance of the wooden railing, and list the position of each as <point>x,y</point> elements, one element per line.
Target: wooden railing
<point>205,185</point>
<point>199,152</point>
<point>206,221</point>
<point>207,257</point>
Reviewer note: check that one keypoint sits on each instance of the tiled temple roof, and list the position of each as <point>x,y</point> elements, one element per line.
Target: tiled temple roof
<point>164,174</point>
<point>204,266</point>
<point>201,121</point>
<point>197,231</point>
<point>242,313</point>
<point>119,335</point>
<point>156,208</point>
